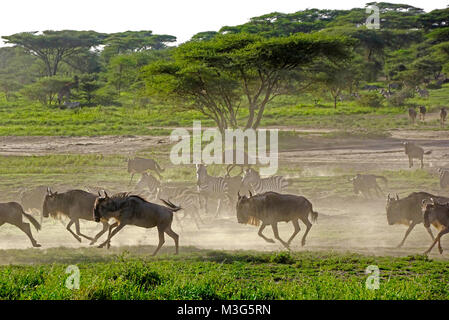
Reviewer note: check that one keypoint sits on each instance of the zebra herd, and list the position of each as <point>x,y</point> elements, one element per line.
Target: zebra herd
<point>209,188</point>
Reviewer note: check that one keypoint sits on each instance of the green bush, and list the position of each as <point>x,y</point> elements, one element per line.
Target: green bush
<point>371,99</point>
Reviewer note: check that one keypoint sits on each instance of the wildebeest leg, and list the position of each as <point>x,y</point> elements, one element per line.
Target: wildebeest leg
<point>261,235</point>
<point>430,232</point>
<point>25,227</point>
<point>274,226</point>
<point>309,226</point>
<point>410,228</point>
<point>442,232</point>
<point>437,239</point>
<point>70,230</point>
<point>297,229</point>
<point>78,231</point>
<point>422,162</point>
<point>161,240</point>
<point>175,237</point>
<point>112,226</point>
<point>410,162</point>
<point>105,228</point>
<point>113,233</point>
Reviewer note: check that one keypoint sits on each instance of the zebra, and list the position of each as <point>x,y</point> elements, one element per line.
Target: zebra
<point>252,179</point>
<point>422,92</point>
<point>209,186</point>
<point>187,198</point>
<point>444,178</point>
<point>150,184</point>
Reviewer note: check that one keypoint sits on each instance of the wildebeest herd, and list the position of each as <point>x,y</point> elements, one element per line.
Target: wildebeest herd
<point>254,200</point>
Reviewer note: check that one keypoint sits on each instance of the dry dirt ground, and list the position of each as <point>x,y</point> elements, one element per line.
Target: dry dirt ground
<point>359,226</point>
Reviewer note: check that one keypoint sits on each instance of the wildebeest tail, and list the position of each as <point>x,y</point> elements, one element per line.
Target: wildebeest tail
<point>173,207</point>
<point>428,152</point>
<point>313,215</point>
<point>32,220</point>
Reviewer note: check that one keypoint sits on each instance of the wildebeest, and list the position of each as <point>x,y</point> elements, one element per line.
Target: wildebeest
<point>128,209</point>
<point>436,214</point>
<point>412,114</point>
<point>12,213</point>
<point>141,165</point>
<point>414,152</point>
<point>408,211</point>
<point>444,178</point>
<point>271,208</point>
<point>422,113</point>
<point>443,115</point>
<point>74,204</point>
<point>363,183</point>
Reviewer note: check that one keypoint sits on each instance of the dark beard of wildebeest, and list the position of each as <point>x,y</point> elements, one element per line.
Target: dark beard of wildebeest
<point>76,205</point>
<point>271,208</point>
<point>128,209</point>
<point>414,152</point>
<point>436,214</point>
<point>141,165</point>
<point>408,211</point>
<point>363,183</point>
<point>12,213</point>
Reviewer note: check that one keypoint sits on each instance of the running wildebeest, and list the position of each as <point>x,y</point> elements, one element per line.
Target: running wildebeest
<point>408,211</point>
<point>133,210</point>
<point>443,115</point>
<point>141,165</point>
<point>271,208</point>
<point>414,152</point>
<point>363,183</point>
<point>412,114</point>
<point>74,204</point>
<point>436,214</point>
<point>12,213</point>
<point>444,178</point>
<point>422,113</point>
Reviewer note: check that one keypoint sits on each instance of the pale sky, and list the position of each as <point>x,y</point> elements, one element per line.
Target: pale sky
<point>180,18</point>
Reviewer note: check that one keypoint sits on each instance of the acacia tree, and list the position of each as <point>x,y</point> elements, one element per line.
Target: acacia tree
<point>238,71</point>
<point>54,47</point>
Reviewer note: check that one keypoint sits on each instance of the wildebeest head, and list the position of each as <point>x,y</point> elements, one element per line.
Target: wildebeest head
<point>243,208</point>
<point>393,210</point>
<point>51,203</point>
<point>428,205</point>
<point>103,206</point>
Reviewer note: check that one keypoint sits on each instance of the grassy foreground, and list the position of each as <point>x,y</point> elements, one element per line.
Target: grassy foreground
<point>204,274</point>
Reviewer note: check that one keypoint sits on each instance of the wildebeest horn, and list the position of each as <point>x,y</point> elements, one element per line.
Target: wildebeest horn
<point>48,190</point>
<point>105,194</point>
<point>397,197</point>
<point>250,194</point>
<point>238,193</point>
<point>99,194</point>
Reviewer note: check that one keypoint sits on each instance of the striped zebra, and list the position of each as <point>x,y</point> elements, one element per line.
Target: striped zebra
<point>444,178</point>
<point>209,186</point>
<point>252,180</point>
<point>186,198</point>
<point>149,184</point>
